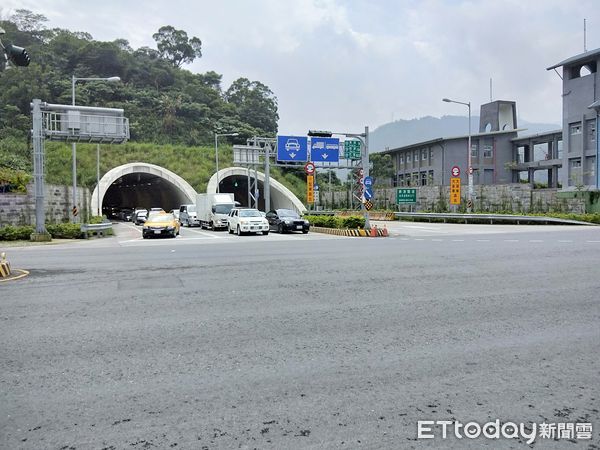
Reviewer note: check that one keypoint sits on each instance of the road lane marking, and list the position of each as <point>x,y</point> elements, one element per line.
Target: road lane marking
<point>511,240</point>
<point>437,240</point>
<point>535,240</point>
<point>564,240</point>
<point>458,240</point>
<point>482,240</point>
<point>593,241</point>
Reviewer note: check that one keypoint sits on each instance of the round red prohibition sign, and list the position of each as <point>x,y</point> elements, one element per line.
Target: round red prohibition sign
<point>309,168</point>
<point>455,171</point>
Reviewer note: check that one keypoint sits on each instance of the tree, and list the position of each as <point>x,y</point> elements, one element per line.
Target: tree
<point>28,21</point>
<point>255,104</point>
<point>383,169</point>
<point>174,46</point>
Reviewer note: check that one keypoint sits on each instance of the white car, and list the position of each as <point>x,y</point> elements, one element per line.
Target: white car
<point>247,220</point>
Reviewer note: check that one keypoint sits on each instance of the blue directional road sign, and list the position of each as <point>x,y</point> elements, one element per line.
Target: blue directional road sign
<point>292,148</point>
<point>368,182</point>
<point>324,149</point>
<point>368,193</point>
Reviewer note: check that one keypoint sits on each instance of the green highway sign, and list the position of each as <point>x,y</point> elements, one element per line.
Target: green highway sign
<point>352,149</point>
<point>406,196</point>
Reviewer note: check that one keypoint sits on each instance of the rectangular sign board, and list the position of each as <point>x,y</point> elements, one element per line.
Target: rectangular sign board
<point>292,148</point>
<point>324,149</point>
<point>310,189</point>
<point>352,149</point>
<point>406,196</point>
<point>455,191</point>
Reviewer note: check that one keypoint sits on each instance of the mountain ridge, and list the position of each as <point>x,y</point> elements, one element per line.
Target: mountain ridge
<point>404,132</point>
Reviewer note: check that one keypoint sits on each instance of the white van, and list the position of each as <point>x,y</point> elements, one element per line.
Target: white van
<point>188,216</point>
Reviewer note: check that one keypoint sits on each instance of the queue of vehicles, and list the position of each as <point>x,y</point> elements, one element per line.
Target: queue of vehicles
<point>217,211</point>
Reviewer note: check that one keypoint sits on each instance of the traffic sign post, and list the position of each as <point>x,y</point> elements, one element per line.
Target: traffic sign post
<point>324,149</point>
<point>352,149</point>
<point>292,148</point>
<point>405,196</point>
<point>455,171</point>
<point>455,191</point>
<point>310,189</point>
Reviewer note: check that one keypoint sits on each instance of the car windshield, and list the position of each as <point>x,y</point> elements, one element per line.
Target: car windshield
<point>223,209</point>
<point>162,217</point>
<point>249,213</point>
<point>191,208</point>
<point>288,213</point>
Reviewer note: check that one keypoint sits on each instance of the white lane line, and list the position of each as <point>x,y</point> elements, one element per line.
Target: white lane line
<point>203,233</point>
<point>437,240</point>
<point>565,240</point>
<point>404,239</point>
<point>419,239</point>
<point>458,240</point>
<point>535,240</point>
<point>511,240</point>
<point>482,240</point>
<point>595,242</point>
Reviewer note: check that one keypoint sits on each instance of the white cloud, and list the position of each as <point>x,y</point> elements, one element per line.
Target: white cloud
<point>344,64</point>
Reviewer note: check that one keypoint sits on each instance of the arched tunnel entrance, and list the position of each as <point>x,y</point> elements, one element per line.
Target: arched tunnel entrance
<point>149,186</point>
<point>141,185</point>
<point>143,190</point>
<point>235,180</point>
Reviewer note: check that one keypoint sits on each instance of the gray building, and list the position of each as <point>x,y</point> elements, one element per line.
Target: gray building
<point>566,158</point>
<point>581,87</point>
<point>492,154</point>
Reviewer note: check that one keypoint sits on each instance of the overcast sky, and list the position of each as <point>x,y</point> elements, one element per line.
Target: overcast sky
<point>341,65</point>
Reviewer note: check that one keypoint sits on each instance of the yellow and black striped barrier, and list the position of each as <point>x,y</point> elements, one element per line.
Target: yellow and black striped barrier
<point>4,266</point>
<point>355,232</point>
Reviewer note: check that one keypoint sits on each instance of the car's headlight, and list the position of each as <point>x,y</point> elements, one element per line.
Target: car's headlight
<point>170,227</point>
<point>288,222</point>
<point>306,222</point>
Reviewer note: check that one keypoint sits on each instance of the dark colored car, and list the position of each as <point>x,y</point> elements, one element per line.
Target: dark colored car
<point>284,220</point>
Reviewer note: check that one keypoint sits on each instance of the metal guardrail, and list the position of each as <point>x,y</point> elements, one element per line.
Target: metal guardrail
<point>98,228</point>
<point>504,218</point>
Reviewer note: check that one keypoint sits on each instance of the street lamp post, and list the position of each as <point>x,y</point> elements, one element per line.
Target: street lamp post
<point>217,152</point>
<point>74,80</point>
<point>469,168</point>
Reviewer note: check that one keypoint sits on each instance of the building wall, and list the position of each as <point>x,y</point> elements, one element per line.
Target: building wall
<point>579,125</point>
<point>491,157</point>
<point>19,209</point>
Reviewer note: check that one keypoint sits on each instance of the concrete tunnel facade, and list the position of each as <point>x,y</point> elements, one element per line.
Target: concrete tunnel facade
<point>148,185</point>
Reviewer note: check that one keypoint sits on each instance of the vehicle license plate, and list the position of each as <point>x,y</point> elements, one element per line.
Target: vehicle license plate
<point>298,227</point>
<point>156,231</point>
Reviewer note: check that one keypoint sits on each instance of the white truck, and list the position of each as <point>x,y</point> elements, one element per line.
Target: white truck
<point>213,209</point>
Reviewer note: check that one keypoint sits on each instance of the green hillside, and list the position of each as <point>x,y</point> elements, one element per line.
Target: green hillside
<point>194,164</point>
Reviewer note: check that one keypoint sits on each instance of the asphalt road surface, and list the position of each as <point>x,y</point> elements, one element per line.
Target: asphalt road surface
<point>300,341</point>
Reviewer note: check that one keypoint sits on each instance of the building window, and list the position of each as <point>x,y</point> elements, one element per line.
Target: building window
<point>401,159</point>
<point>416,156</point>
<point>415,179</point>
<point>423,178</point>
<point>591,126</point>
<point>488,151</point>
<point>474,151</point>
<point>431,155</point>
<point>575,163</point>
<point>424,155</point>
<point>430,177</point>
<point>575,128</point>
<point>400,180</point>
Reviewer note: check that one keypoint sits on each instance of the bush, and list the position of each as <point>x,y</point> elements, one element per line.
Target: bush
<point>64,230</point>
<point>336,221</point>
<point>10,233</point>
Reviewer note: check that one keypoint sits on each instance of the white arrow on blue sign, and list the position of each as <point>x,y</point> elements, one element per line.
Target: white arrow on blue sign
<point>368,193</point>
<point>324,149</point>
<point>292,148</point>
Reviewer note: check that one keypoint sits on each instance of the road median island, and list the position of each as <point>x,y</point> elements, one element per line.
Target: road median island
<point>352,232</point>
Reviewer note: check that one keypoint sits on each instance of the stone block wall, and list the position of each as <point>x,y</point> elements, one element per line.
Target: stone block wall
<point>515,198</point>
<point>19,209</point>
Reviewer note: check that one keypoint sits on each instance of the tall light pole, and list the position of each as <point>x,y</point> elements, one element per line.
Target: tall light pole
<point>470,167</point>
<point>74,80</point>
<point>217,152</point>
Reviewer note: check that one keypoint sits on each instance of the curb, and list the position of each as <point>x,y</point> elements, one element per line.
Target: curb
<point>356,232</point>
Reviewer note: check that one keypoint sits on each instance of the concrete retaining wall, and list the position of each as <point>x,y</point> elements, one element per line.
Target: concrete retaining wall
<point>516,198</point>
<point>19,209</point>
